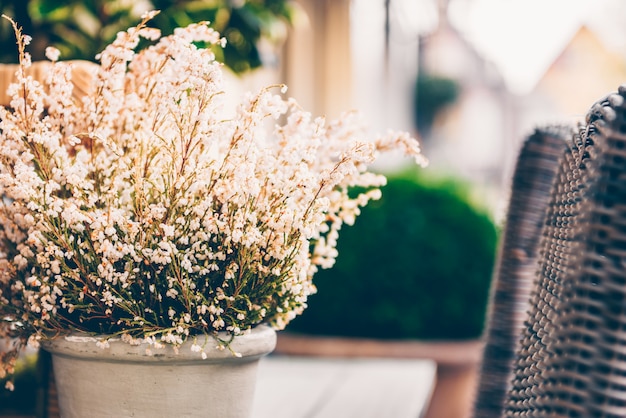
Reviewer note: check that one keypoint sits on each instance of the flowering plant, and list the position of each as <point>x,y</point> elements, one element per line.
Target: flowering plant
<point>147,211</point>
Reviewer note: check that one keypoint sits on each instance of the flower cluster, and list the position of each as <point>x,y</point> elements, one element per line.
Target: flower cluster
<point>147,210</point>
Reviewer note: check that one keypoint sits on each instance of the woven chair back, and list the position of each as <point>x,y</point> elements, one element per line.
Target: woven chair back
<point>573,357</point>
<point>533,177</point>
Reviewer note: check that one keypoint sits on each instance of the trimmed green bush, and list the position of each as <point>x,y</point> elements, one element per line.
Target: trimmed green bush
<point>417,264</point>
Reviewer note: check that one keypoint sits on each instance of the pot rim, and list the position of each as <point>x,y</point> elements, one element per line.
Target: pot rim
<point>256,343</point>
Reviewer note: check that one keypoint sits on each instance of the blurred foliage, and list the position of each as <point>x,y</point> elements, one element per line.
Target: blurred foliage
<point>417,264</point>
<point>81,29</point>
<point>432,94</point>
<point>23,400</point>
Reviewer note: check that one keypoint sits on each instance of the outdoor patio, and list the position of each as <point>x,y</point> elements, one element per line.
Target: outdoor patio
<point>148,195</point>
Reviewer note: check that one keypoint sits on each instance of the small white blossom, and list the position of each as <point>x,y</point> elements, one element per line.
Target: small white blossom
<point>102,344</point>
<point>52,53</point>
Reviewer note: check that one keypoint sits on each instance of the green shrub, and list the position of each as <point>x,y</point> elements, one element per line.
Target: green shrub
<point>416,264</point>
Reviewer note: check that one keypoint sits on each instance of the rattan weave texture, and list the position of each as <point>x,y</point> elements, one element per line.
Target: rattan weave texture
<point>573,357</point>
<point>534,175</point>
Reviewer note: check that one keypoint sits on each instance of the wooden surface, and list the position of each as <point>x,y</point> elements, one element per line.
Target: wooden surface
<point>445,353</point>
<point>315,387</point>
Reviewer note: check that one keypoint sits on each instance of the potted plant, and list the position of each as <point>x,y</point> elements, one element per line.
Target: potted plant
<point>148,223</point>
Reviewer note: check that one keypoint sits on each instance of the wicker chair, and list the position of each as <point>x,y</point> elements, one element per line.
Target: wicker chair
<point>572,356</point>
<point>530,190</point>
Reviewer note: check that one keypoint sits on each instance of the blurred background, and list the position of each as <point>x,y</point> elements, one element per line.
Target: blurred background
<point>470,78</point>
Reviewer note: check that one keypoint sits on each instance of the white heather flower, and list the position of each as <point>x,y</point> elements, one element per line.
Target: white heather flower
<point>149,15</point>
<point>102,344</point>
<point>55,266</point>
<point>151,34</point>
<point>20,262</point>
<point>52,53</point>
<point>234,330</point>
<point>168,230</point>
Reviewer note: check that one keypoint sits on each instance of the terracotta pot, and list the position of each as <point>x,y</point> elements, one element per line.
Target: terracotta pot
<point>124,380</point>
